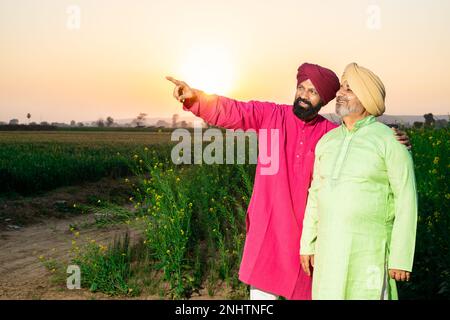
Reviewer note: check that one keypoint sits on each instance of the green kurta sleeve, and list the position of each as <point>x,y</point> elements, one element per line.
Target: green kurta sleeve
<point>309,233</point>
<point>400,171</point>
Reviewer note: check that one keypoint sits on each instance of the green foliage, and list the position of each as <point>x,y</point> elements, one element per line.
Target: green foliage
<point>107,270</point>
<point>431,270</point>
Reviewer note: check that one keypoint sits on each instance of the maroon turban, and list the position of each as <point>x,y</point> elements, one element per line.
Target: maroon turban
<point>325,80</point>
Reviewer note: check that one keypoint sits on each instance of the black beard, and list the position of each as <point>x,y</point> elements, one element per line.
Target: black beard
<point>305,114</point>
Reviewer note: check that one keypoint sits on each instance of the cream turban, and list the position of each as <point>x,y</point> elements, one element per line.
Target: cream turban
<point>367,87</point>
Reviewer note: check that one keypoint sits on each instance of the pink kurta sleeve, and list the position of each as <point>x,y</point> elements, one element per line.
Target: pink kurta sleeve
<point>228,113</point>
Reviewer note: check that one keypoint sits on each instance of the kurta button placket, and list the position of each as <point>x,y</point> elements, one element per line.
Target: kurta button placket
<point>349,134</point>
<point>342,155</point>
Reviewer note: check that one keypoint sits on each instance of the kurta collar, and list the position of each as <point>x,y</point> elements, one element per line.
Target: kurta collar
<point>361,123</point>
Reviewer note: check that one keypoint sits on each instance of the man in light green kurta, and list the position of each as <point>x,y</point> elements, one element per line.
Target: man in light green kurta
<point>359,227</point>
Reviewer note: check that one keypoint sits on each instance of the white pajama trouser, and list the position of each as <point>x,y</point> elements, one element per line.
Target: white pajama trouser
<point>256,294</point>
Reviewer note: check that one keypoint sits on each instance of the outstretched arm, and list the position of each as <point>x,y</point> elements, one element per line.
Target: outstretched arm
<point>221,111</point>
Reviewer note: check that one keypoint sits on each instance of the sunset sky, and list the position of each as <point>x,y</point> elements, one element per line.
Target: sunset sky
<point>114,64</point>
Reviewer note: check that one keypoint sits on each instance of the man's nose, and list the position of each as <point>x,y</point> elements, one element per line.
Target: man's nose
<point>339,93</point>
<point>304,95</point>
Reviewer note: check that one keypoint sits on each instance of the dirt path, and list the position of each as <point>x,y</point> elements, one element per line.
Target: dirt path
<point>24,276</point>
<point>33,227</point>
<point>22,273</point>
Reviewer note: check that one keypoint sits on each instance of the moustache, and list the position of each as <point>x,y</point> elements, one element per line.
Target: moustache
<point>305,113</point>
<point>341,100</point>
<point>300,100</point>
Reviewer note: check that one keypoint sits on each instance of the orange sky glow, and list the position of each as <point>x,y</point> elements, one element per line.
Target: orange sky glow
<point>88,59</point>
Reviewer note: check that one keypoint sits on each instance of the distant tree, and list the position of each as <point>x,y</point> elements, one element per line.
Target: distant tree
<point>109,121</point>
<point>72,123</point>
<point>32,123</point>
<point>429,119</point>
<point>44,123</point>
<point>175,119</point>
<point>418,124</point>
<point>140,120</point>
<point>162,123</point>
<point>100,123</point>
<point>80,124</point>
<point>183,124</point>
<point>13,122</point>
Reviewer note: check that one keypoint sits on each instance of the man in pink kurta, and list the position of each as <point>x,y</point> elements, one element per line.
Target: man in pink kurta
<point>271,260</point>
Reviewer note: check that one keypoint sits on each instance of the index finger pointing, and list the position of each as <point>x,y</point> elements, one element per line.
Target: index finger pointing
<point>175,81</point>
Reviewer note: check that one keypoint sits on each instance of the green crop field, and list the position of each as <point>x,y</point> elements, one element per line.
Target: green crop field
<point>33,162</point>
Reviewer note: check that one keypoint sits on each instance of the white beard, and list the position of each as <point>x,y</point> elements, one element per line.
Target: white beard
<point>342,111</point>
